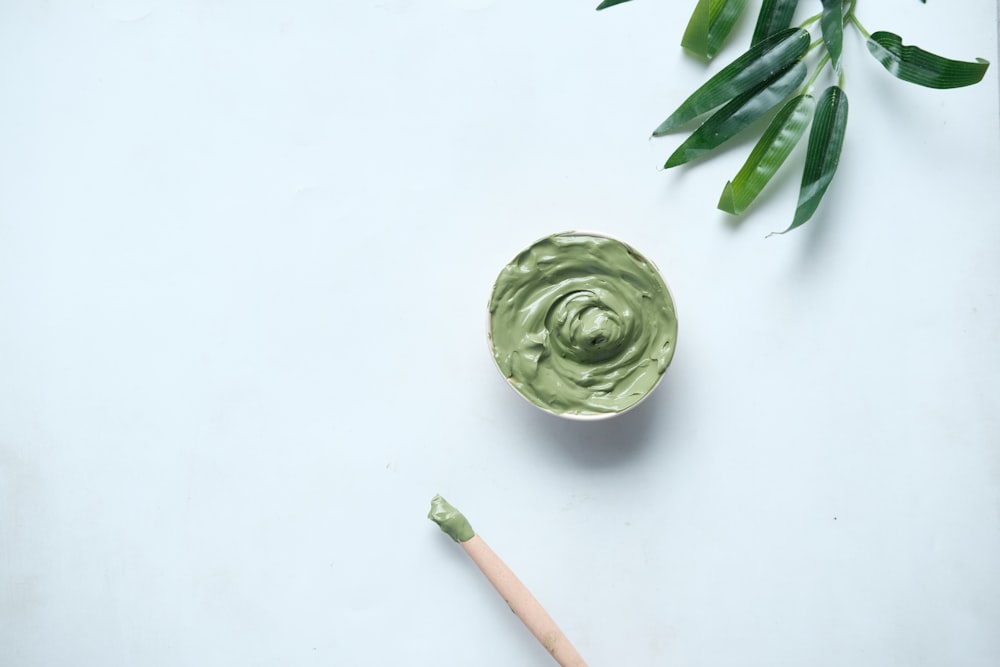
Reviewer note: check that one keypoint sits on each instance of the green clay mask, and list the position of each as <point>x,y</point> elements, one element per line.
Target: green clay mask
<point>450,520</point>
<point>582,324</point>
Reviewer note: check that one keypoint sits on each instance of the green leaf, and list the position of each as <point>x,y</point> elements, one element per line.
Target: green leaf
<point>710,24</point>
<point>913,64</point>
<point>609,3</point>
<point>775,145</point>
<point>774,16</point>
<point>823,153</point>
<point>762,63</point>
<point>737,114</point>
<point>723,22</point>
<point>832,26</point>
<point>695,37</point>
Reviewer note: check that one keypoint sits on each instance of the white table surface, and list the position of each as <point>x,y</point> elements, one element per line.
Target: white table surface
<point>245,252</point>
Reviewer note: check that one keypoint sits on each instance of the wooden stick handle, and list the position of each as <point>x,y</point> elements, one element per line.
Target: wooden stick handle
<point>523,603</point>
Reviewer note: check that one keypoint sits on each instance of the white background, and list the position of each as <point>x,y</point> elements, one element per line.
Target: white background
<point>245,253</point>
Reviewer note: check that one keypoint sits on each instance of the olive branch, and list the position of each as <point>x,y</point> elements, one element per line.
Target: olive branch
<point>772,77</point>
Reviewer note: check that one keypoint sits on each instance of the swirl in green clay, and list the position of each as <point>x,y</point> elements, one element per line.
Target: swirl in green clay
<point>582,324</point>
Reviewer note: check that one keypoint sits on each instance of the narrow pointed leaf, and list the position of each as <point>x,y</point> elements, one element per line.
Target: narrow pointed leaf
<point>609,3</point>
<point>723,21</point>
<point>774,16</point>
<point>832,26</point>
<point>737,114</point>
<point>695,37</point>
<point>763,62</point>
<point>775,145</point>
<point>826,138</point>
<point>710,24</point>
<point>913,64</point>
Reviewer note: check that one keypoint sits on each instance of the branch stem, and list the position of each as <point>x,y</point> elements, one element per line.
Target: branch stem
<point>812,19</point>
<point>857,24</point>
<point>807,88</point>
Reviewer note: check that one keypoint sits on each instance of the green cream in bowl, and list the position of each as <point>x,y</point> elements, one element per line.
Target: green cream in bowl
<point>582,325</point>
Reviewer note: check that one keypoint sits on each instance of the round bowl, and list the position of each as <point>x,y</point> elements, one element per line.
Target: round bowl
<point>582,325</point>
